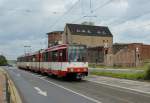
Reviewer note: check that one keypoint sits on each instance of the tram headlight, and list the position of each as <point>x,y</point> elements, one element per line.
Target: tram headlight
<point>71,69</point>
<point>85,69</point>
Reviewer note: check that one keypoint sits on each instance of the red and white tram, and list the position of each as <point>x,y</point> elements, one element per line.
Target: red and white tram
<point>61,60</point>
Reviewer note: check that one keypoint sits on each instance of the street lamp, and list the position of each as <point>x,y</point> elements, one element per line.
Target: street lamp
<point>27,49</point>
<point>136,58</point>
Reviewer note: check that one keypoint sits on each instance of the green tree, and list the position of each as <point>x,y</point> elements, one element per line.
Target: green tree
<point>3,60</point>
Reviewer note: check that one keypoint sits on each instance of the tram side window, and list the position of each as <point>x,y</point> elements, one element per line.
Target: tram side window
<point>18,59</point>
<point>54,56</point>
<point>46,57</point>
<point>33,58</point>
<point>49,56</point>
<point>62,55</point>
<point>26,59</point>
<point>37,58</point>
<point>77,54</point>
<point>23,59</point>
<point>42,57</point>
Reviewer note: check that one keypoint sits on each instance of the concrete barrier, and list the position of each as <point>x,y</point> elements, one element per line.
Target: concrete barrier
<point>12,94</point>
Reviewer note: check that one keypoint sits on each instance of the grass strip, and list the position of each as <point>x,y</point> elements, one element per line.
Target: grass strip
<point>116,67</point>
<point>134,76</point>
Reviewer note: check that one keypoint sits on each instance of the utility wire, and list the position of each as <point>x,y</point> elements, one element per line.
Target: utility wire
<point>82,7</point>
<point>101,6</point>
<point>78,19</point>
<point>82,13</point>
<point>58,20</point>
<point>72,7</point>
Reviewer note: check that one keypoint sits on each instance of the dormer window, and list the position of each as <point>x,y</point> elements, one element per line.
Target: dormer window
<point>98,32</point>
<point>83,31</point>
<point>78,30</point>
<point>104,32</point>
<point>89,31</point>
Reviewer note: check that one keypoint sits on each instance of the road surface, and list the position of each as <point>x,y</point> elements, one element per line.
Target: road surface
<point>35,88</point>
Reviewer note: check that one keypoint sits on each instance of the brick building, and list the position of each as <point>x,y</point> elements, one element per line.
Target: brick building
<point>133,54</point>
<point>101,49</point>
<point>54,38</point>
<point>96,38</point>
<point>142,50</point>
<point>89,35</point>
<point>95,55</point>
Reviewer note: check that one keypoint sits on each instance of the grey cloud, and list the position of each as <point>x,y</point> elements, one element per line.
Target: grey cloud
<point>26,22</point>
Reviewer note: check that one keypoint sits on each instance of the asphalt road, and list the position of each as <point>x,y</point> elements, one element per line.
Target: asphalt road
<point>35,88</point>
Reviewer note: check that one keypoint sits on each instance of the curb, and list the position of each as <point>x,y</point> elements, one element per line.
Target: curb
<point>12,94</point>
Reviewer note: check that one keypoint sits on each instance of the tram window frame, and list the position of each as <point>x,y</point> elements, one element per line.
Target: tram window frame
<point>55,56</point>
<point>62,55</point>
<point>49,56</point>
<point>45,57</point>
<point>37,58</point>
<point>26,58</point>
<point>33,58</point>
<point>77,54</point>
<point>41,57</point>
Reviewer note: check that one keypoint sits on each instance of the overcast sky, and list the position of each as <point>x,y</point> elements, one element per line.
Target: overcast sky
<point>26,22</point>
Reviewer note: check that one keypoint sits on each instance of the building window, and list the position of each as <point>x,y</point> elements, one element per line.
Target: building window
<point>138,56</point>
<point>103,32</point>
<point>98,32</point>
<point>103,41</point>
<point>83,31</point>
<point>78,30</point>
<point>89,31</point>
<point>106,51</point>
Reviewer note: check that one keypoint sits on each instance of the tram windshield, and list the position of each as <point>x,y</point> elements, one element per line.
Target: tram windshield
<point>77,53</point>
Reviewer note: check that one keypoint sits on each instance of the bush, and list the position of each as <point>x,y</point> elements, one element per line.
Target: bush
<point>3,60</point>
<point>147,72</point>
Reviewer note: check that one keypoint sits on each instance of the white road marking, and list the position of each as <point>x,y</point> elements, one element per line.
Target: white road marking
<point>10,68</point>
<point>60,86</point>
<point>42,77</point>
<point>18,75</point>
<point>40,91</point>
<point>111,85</point>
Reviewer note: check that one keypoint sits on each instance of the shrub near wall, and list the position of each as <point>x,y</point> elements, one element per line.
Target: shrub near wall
<point>147,72</point>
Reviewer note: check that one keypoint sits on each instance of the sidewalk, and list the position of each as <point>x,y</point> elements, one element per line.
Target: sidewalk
<point>2,88</point>
<point>142,87</point>
<point>8,91</point>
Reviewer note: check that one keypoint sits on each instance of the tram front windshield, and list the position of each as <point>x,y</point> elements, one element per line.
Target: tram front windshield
<point>76,53</point>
